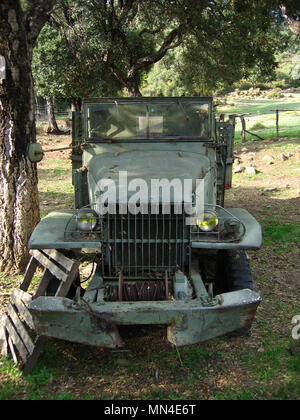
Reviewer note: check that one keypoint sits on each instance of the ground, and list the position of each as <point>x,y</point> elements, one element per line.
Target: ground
<point>263,366</point>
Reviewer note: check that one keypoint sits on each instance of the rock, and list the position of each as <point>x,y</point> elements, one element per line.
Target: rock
<point>270,189</point>
<point>244,149</point>
<point>283,157</point>
<point>239,169</point>
<point>289,155</point>
<point>250,158</point>
<point>271,162</point>
<point>252,153</point>
<point>287,186</point>
<point>268,157</point>
<point>251,170</point>
<point>236,161</point>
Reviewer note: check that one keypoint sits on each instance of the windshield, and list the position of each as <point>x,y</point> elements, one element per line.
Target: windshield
<point>151,120</point>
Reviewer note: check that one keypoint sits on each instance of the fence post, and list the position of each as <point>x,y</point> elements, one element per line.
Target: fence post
<point>277,123</point>
<point>243,122</point>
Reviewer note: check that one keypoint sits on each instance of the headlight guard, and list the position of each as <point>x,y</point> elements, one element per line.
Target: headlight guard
<point>86,220</point>
<point>218,225</point>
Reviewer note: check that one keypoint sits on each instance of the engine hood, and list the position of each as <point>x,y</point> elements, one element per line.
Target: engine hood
<point>146,166</point>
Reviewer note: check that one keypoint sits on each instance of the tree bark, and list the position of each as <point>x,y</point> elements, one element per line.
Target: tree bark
<point>18,177</point>
<point>19,204</point>
<point>76,104</point>
<point>133,88</point>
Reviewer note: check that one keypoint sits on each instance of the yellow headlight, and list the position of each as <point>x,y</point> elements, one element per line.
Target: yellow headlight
<point>209,221</point>
<point>86,220</point>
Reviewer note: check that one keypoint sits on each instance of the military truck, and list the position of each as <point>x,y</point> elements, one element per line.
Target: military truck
<point>152,262</point>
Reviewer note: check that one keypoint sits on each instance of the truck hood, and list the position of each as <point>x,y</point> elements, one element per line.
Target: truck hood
<point>146,166</point>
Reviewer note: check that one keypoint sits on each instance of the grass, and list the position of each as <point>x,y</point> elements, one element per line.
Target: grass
<point>281,234</point>
<point>260,117</point>
<point>263,366</point>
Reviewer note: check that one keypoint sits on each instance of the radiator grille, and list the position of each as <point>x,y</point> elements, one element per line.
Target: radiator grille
<point>141,245</point>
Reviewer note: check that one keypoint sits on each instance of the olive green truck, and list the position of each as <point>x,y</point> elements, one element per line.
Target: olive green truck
<point>154,260</point>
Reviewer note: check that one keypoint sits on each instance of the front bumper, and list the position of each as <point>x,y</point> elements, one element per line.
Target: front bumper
<point>188,322</point>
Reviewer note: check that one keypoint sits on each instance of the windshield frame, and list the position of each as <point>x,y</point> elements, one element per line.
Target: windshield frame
<point>180,101</point>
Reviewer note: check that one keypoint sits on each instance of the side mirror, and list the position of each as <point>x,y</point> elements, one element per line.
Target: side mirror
<point>35,152</point>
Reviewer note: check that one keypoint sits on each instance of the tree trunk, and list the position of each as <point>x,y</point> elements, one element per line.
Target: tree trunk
<point>52,124</point>
<point>76,104</point>
<point>133,88</point>
<point>19,204</point>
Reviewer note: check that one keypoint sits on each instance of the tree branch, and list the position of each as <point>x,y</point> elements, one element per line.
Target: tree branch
<point>166,45</point>
<point>38,14</point>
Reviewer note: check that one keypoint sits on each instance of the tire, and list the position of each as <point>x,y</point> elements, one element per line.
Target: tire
<point>238,276</point>
<point>238,272</point>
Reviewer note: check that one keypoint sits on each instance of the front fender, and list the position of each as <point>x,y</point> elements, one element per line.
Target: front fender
<point>252,238</point>
<point>50,233</point>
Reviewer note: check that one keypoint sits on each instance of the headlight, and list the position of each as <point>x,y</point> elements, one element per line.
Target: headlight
<point>209,221</point>
<point>86,220</point>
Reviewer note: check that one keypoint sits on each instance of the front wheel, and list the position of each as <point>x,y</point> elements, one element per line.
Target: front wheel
<point>238,277</point>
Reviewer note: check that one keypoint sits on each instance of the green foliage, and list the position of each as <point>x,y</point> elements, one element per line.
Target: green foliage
<point>63,72</point>
<point>258,126</point>
<point>205,46</point>
<point>228,42</point>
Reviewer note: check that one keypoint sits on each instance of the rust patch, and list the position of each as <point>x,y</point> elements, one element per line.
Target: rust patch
<point>84,169</point>
<point>42,330</point>
<point>221,300</point>
<point>250,317</point>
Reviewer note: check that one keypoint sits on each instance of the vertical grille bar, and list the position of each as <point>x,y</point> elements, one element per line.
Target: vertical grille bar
<point>182,246</point>
<point>142,245</point>
<point>109,244</point>
<point>129,237</point>
<point>156,239</point>
<point>122,239</point>
<point>176,239</point>
<point>163,237</point>
<point>103,254</point>
<point>135,248</point>
<point>149,243</point>
<point>116,244</point>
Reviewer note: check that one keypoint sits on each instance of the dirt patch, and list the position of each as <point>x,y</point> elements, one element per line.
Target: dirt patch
<point>49,142</point>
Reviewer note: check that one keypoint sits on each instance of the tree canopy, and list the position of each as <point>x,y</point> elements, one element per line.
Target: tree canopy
<point>104,44</point>
<point>64,69</point>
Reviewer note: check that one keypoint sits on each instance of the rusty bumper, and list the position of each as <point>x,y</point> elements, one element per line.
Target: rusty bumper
<point>188,322</point>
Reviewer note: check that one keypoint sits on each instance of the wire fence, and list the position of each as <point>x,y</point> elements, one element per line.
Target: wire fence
<point>60,114</point>
<point>267,124</point>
